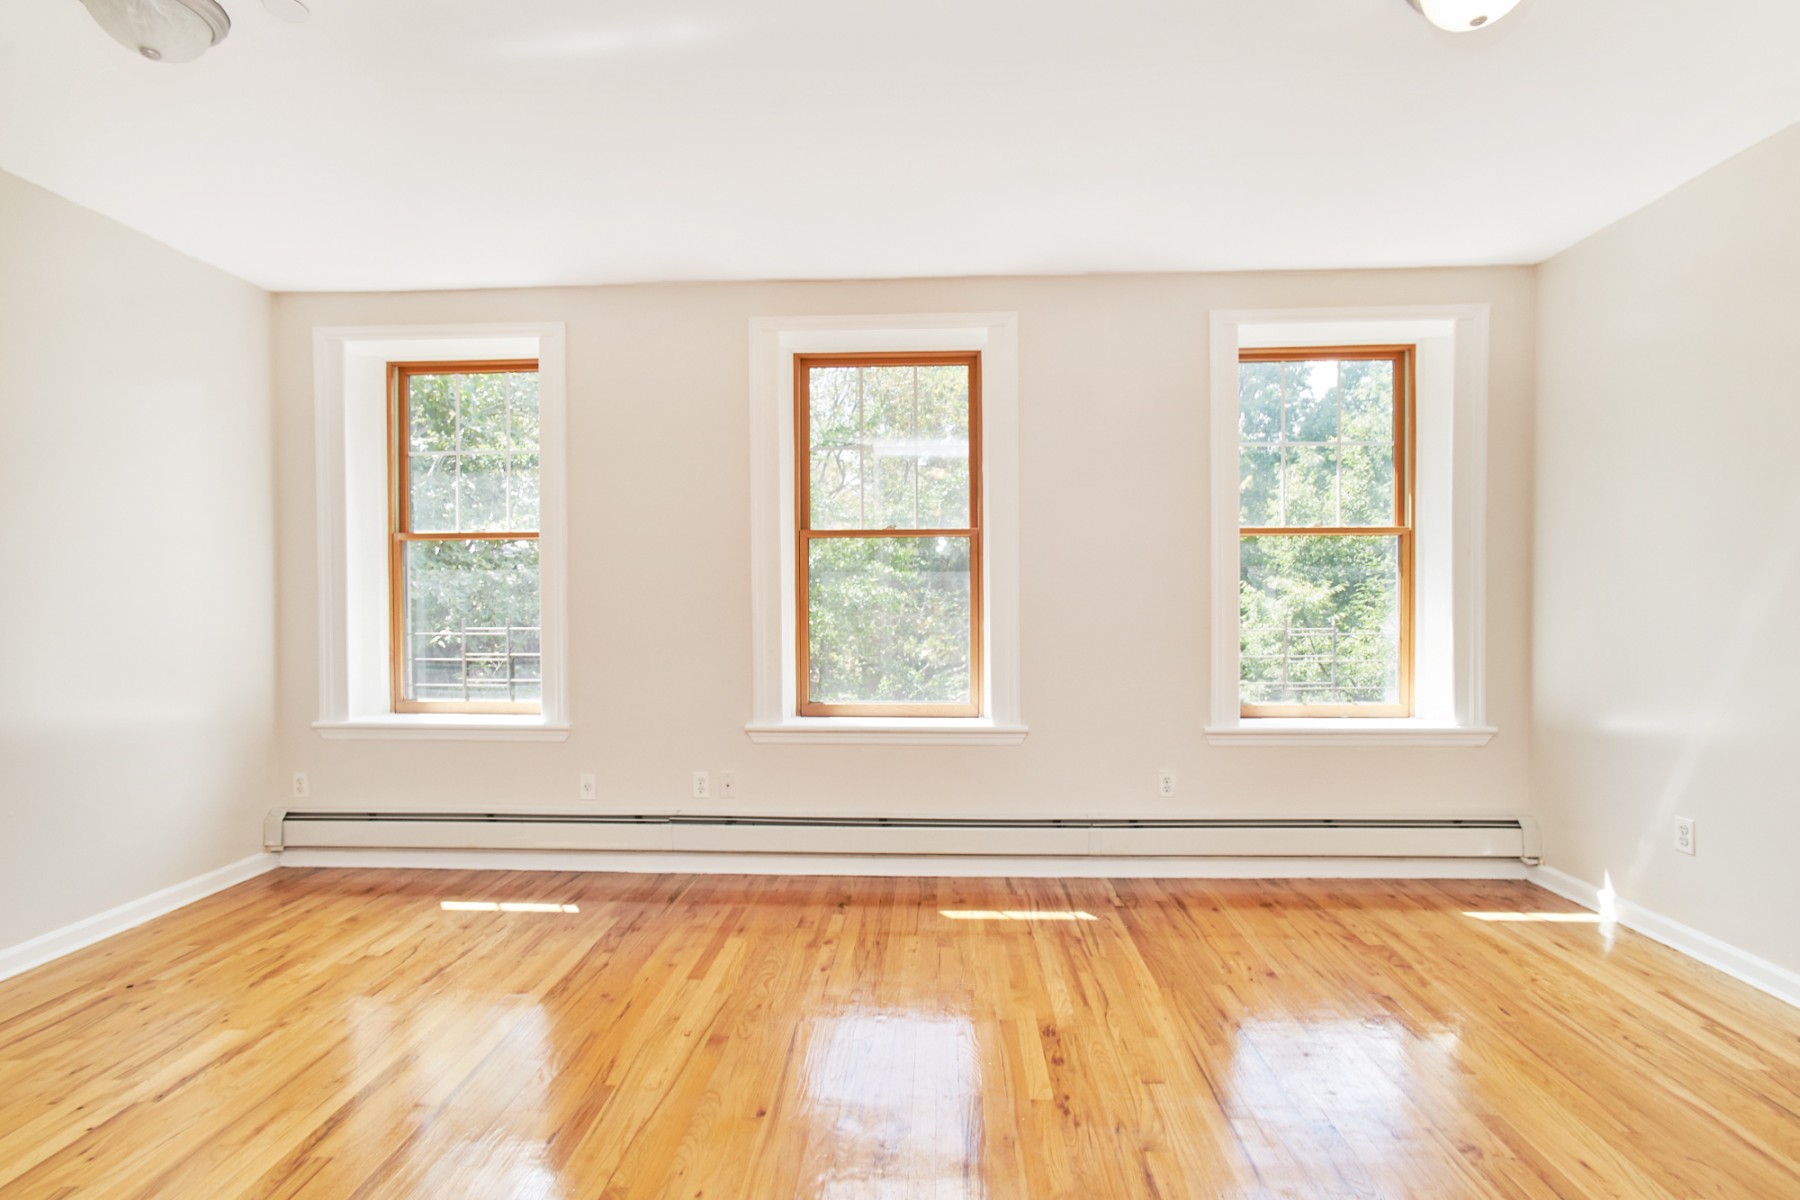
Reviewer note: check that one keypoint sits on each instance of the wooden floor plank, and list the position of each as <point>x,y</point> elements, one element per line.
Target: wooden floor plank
<point>339,1034</point>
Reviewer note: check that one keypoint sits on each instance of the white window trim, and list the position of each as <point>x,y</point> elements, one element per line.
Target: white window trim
<point>1451,507</point>
<point>354,700</point>
<point>773,343</point>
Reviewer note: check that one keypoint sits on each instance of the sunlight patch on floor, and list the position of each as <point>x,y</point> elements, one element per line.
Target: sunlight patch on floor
<point>982,914</point>
<point>511,906</point>
<point>1559,918</point>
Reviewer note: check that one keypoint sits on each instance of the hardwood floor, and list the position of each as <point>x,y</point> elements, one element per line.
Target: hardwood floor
<point>340,1034</point>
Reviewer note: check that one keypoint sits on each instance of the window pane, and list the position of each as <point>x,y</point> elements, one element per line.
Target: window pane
<point>1259,401</point>
<point>889,402</point>
<point>944,402</point>
<point>431,413</point>
<point>894,498</point>
<point>432,504</point>
<point>522,411</point>
<point>481,493</point>
<point>944,490</point>
<point>889,447</point>
<point>942,436</point>
<point>1368,483</point>
<point>1368,391</point>
<point>481,412</point>
<point>522,493</point>
<point>1311,401</point>
<point>888,620</point>
<point>1311,485</point>
<point>835,395</point>
<point>471,621</point>
<point>836,487</point>
<point>839,452</point>
<point>1259,485</point>
<point>1319,619</point>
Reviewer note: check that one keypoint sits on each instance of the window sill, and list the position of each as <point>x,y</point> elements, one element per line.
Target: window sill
<point>903,731</point>
<point>443,727</point>
<point>1346,731</point>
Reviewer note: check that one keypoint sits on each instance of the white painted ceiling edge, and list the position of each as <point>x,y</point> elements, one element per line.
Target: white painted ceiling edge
<point>418,144</point>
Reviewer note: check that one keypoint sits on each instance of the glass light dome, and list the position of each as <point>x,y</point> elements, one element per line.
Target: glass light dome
<point>172,31</point>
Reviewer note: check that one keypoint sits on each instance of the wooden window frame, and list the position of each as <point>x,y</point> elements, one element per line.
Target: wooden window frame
<point>400,531</point>
<point>1405,360</point>
<point>804,534</point>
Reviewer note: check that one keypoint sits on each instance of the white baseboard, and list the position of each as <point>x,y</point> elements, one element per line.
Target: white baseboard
<point>1759,973</point>
<point>69,938</point>
<point>958,866</point>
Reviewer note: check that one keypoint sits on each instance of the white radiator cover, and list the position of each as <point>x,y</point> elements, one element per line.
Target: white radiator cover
<point>1508,837</point>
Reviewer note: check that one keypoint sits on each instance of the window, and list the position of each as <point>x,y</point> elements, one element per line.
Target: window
<point>884,512</point>
<point>463,557</point>
<point>889,534</point>
<point>442,526</point>
<point>1348,485</point>
<point>1325,550</point>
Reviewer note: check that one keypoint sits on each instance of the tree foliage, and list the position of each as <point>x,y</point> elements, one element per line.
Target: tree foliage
<point>888,620</point>
<point>1318,620</point>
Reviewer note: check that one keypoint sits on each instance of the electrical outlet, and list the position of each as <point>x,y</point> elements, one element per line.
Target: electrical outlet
<point>702,786</point>
<point>588,789</point>
<point>302,789</point>
<point>1165,782</point>
<point>1684,834</point>
<point>728,785</point>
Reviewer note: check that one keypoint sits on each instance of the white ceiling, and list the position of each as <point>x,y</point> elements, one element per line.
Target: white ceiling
<point>465,143</point>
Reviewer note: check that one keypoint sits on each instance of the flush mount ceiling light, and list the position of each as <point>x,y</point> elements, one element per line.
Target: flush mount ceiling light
<point>1463,16</point>
<point>171,31</point>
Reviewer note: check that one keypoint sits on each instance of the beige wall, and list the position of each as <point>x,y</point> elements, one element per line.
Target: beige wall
<point>1667,660</point>
<point>1115,594</point>
<point>136,568</point>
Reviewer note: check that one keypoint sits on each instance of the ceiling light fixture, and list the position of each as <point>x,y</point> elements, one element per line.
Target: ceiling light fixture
<point>1463,16</point>
<point>171,31</point>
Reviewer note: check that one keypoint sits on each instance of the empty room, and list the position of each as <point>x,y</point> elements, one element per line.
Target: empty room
<point>776,600</point>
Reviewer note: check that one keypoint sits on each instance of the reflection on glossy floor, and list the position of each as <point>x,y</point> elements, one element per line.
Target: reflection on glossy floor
<point>343,1034</point>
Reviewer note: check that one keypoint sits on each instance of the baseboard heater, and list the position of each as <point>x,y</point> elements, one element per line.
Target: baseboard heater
<point>1100,837</point>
